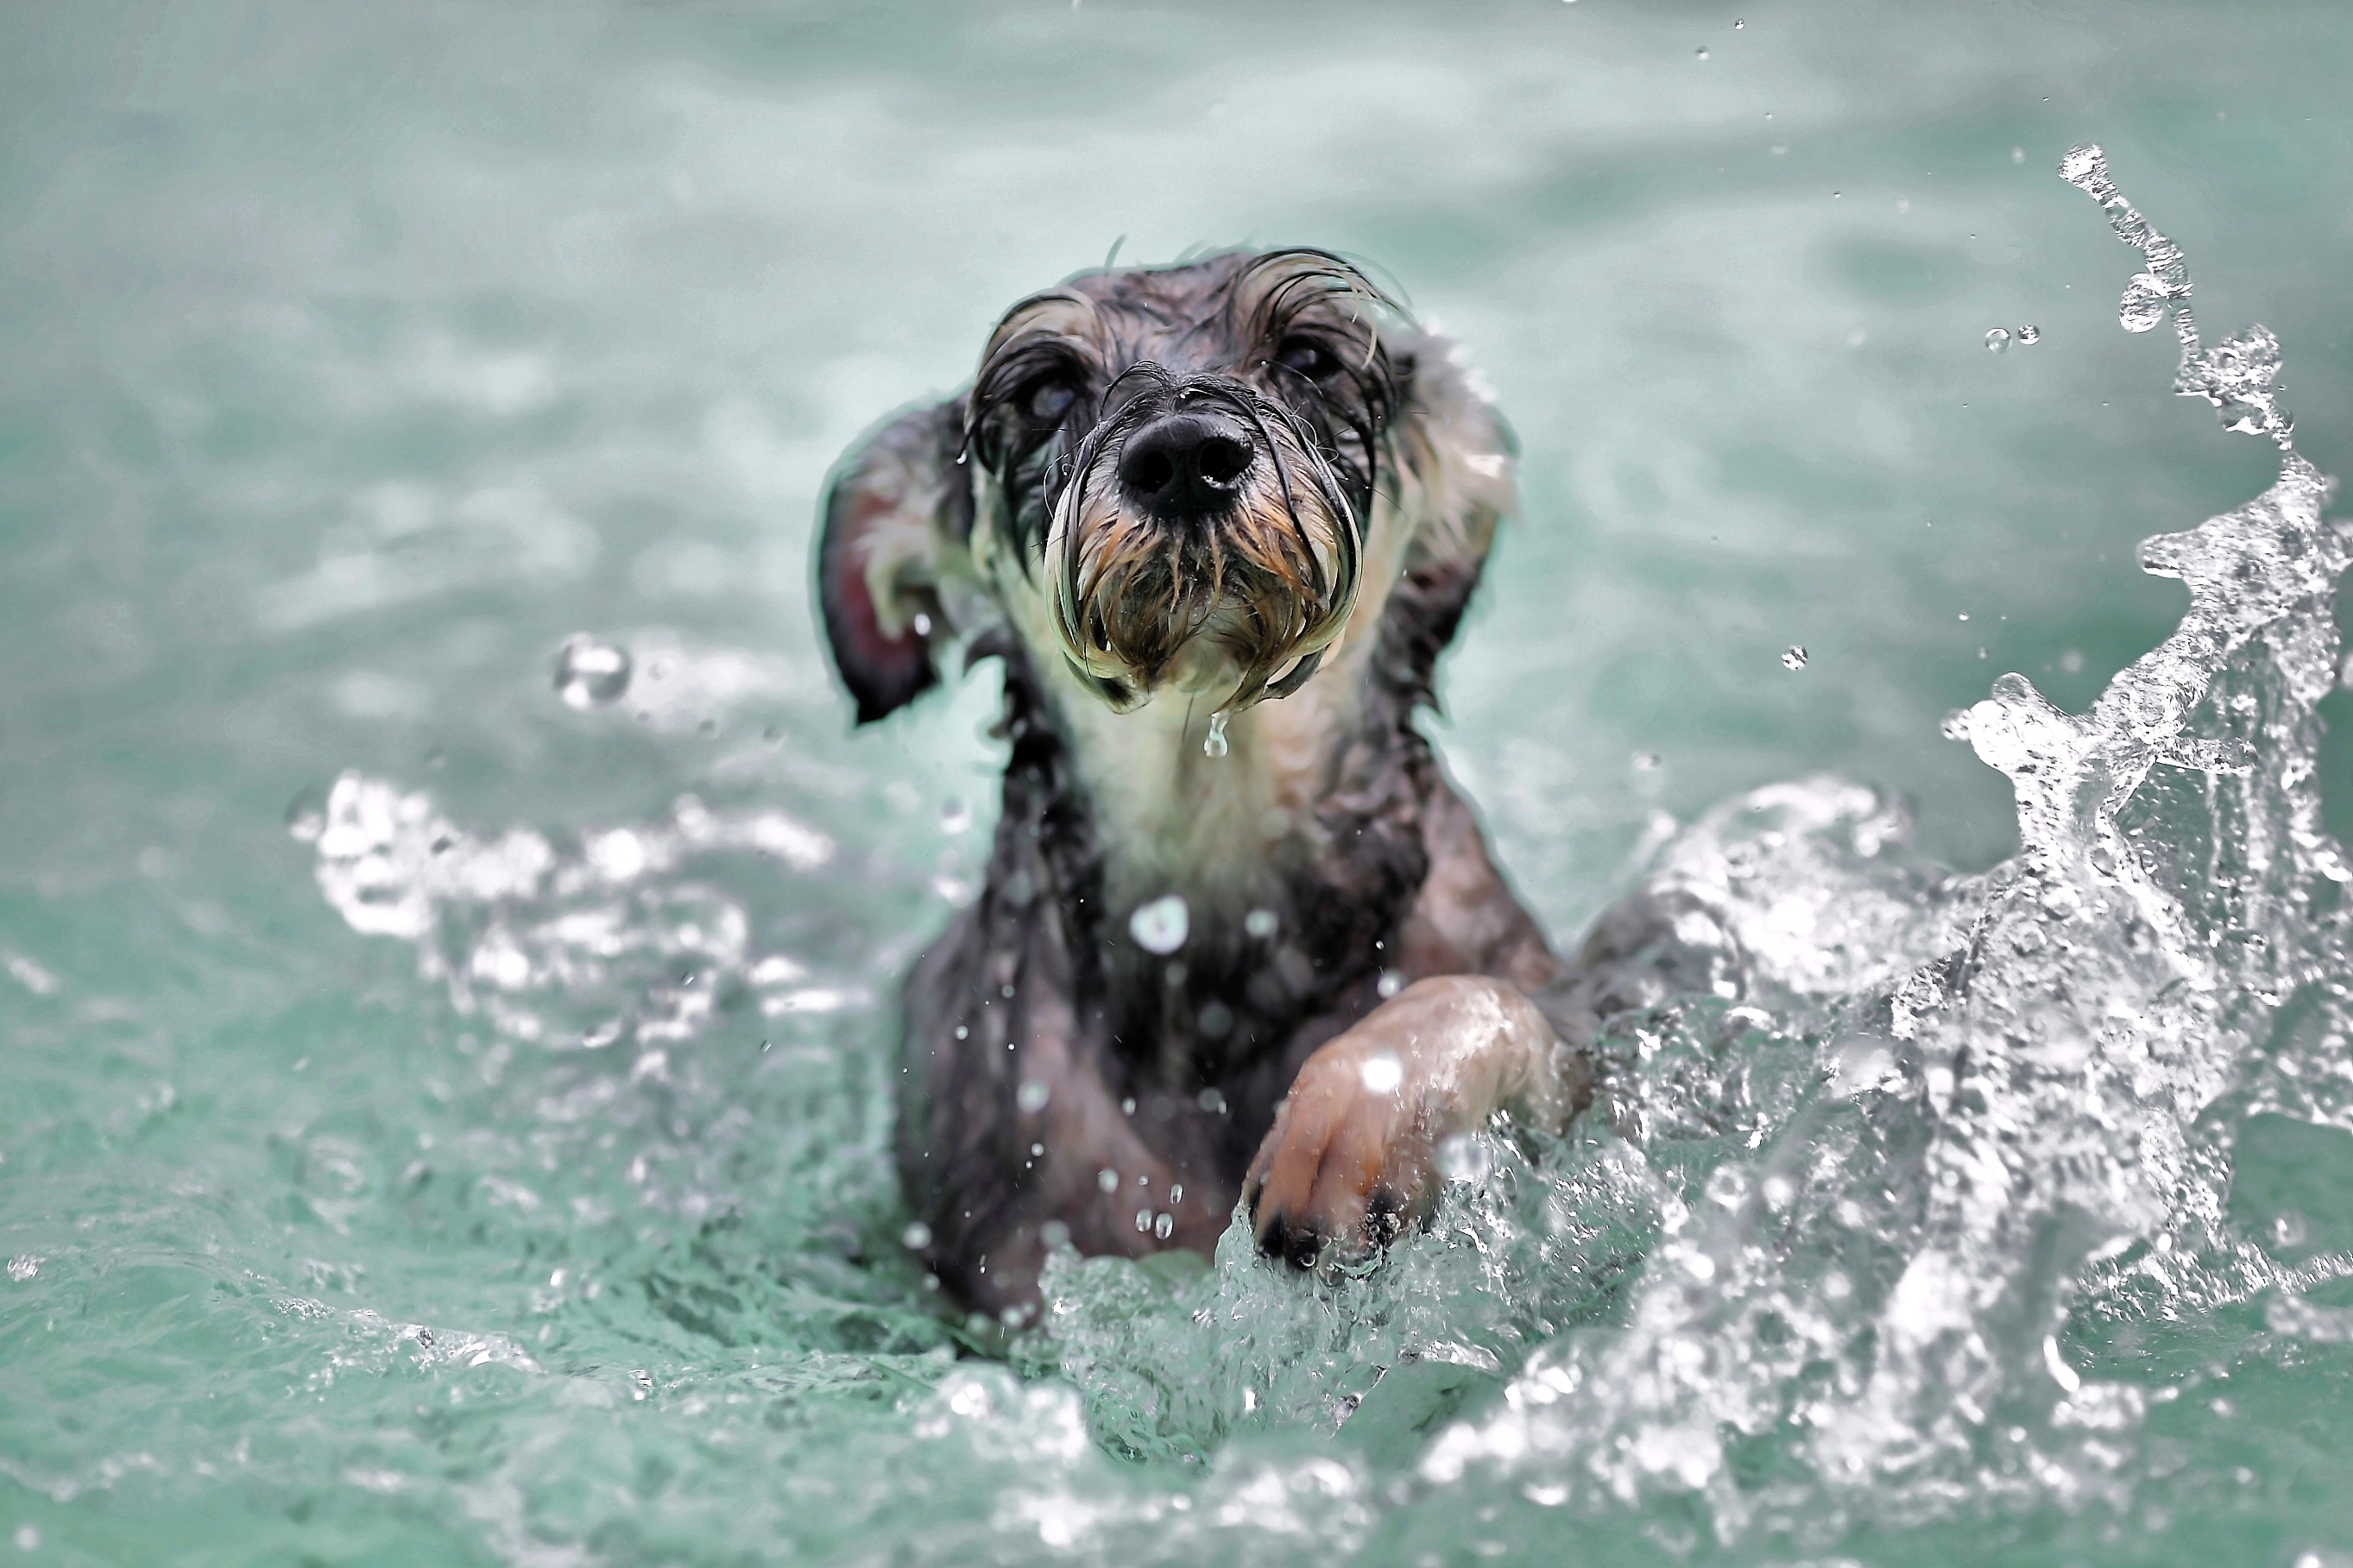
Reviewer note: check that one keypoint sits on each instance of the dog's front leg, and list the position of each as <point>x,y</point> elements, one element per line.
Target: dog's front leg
<point>1352,1158</point>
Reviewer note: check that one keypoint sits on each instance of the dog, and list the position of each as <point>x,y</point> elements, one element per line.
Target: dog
<point>1240,938</point>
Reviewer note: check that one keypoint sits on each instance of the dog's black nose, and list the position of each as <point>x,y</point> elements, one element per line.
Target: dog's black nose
<point>1184,465</point>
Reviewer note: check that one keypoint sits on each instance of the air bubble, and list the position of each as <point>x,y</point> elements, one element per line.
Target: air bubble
<point>1793,656</point>
<point>1996,341</point>
<point>589,673</point>
<point>1162,925</point>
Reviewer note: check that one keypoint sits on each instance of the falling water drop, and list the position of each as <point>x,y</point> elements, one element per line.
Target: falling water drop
<point>589,673</point>
<point>1215,746</point>
<point>1996,341</point>
<point>1702,52</point>
<point>1794,658</point>
<point>1162,925</point>
<point>2030,335</point>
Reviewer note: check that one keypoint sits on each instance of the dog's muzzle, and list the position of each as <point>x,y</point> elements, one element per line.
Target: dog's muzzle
<point>1206,541</point>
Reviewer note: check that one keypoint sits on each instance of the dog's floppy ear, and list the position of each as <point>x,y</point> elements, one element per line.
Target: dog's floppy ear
<point>1455,456</point>
<point>897,524</point>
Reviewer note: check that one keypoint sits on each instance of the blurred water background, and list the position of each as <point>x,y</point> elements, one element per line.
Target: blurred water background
<point>523,1199</point>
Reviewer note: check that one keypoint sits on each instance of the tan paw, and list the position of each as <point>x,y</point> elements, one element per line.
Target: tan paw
<point>1349,1163</point>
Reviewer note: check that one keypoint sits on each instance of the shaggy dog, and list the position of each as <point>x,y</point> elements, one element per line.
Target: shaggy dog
<point>1239,937</point>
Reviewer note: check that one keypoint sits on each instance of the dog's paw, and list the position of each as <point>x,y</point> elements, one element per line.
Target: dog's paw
<point>1350,1162</point>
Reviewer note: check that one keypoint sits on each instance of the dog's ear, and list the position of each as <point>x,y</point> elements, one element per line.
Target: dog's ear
<point>897,525</point>
<point>1455,453</point>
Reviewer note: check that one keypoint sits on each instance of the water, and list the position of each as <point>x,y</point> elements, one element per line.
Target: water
<point>448,1092</point>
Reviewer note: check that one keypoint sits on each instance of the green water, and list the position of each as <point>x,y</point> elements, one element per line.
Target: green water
<point>353,358</point>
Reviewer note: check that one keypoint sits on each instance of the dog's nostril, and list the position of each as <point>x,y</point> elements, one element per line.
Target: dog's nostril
<point>1147,473</point>
<point>1222,459</point>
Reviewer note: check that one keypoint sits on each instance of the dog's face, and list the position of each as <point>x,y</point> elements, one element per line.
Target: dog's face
<point>1182,462</point>
<point>1160,480</point>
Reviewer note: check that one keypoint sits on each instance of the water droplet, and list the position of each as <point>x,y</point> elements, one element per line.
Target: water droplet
<point>1032,1096</point>
<point>1163,1225</point>
<point>916,1237</point>
<point>2030,333</point>
<point>1996,341</point>
<point>1107,1180</point>
<point>1211,1100</point>
<point>2017,154</point>
<point>923,624</point>
<point>2142,305</point>
<point>1736,26</point>
<point>589,674</point>
<point>1215,745</point>
<point>1260,924</point>
<point>1464,1158</point>
<point>954,815</point>
<point>1388,985</point>
<point>1175,1193</point>
<point>1793,656</point>
<point>1143,1219</point>
<point>1955,726</point>
<point>1054,1233</point>
<point>1382,1072</point>
<point>1647,762</point>
<point>1702,53</point>
<point>1162,925</point>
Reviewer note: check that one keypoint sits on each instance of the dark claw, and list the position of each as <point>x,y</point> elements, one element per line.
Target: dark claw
<point>1306,1243</point>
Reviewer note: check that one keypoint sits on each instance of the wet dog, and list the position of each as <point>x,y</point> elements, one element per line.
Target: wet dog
<point>1239,937</point>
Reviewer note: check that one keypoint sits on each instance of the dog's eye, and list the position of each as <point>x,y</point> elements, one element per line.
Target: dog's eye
<point>1306,357</point>
<point>1047,401</point>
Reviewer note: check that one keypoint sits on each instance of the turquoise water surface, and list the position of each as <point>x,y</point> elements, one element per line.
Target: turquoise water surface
<point>442,1123</point>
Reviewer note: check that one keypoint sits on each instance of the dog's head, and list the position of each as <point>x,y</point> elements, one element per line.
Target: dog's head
<point>1161,479</point>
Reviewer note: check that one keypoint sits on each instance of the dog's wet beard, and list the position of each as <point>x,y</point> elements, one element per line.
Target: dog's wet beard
<point>1239,605</point>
